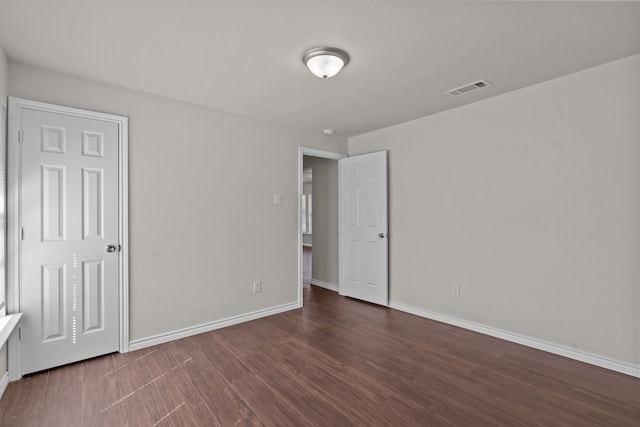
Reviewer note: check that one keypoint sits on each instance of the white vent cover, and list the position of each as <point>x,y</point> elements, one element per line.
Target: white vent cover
<point>480,84</point>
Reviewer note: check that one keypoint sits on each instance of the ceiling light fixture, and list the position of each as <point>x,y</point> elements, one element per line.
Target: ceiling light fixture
<point>325,62</point>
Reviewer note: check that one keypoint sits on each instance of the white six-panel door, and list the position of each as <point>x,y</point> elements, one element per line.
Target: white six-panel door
<point>363,227</point>
<point>69,217</point>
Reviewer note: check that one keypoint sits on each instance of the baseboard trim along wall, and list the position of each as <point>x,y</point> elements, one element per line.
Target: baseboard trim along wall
<point>206,327</point>
<point>603,362</point>
<point>4,383</point>
<point>325,285</point>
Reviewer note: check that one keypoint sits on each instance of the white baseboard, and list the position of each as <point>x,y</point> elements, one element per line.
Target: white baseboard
<point>206,327</point>
<point>325,285</point>
<point>593,359</point>
<point>4,383</point>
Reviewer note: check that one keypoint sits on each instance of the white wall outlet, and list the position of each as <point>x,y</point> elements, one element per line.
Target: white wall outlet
<point>257,286</point>
<point>455,290</point>
<point>277,199</point>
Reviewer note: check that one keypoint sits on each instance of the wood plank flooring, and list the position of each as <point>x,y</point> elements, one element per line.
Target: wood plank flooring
<point>336,362</point>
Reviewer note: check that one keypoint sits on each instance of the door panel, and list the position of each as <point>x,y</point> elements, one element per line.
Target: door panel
<point>54,311</point>
<point>93,281</point>
<point>92,200</point>
<point>363,219</point>
<point>53,208</point>
<point>69,214</point>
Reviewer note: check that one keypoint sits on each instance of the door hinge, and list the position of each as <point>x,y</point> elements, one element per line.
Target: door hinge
<point>19,333</point>
<point>22,234</point>
<point>20,136</point>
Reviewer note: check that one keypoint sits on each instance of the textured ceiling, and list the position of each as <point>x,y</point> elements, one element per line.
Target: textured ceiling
<point>244,56</point>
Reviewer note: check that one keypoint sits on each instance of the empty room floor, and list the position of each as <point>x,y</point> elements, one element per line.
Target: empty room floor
<point>336,362</point>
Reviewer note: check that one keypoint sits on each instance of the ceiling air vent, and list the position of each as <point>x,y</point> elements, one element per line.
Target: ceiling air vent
<point>469,88</point>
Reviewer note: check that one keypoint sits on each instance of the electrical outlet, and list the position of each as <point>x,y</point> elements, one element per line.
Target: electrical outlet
<point>257,286</point>
<point>455,290</point>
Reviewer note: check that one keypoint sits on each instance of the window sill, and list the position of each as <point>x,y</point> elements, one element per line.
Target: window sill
<point>7,325</point>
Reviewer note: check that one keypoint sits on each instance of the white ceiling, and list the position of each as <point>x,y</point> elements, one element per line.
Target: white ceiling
<point>244,56</point>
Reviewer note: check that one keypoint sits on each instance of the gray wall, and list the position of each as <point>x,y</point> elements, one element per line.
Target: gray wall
<point>530,201</point>
<point>325,219</point>
<point>201,188</point>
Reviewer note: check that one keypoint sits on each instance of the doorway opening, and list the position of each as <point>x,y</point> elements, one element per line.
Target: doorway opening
<point>317,220</point>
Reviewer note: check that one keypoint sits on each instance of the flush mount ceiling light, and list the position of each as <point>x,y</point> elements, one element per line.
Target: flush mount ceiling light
<point>325,62</point>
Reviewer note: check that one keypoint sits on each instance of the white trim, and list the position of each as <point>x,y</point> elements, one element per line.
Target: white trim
<point>319,153</point>
<point>13,357</point>
<point>7,325</point>
<point>593,359</point>
<point>305,151</point>
<point>4,383</point>
<point>12,264</point>
<point>13,212</point>
<point>4,122</point>
<point>13,216</point>
<point>326,285</point>
<point>206,327</point>
<point>123,220</point>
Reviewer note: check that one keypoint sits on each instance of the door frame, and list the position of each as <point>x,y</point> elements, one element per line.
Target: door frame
<point>14,217</point>
<point>305,151</point>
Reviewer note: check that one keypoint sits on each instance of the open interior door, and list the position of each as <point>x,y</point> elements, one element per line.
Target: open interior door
<point>363,222</point>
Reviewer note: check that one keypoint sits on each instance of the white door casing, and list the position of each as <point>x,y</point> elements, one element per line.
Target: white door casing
<point>364,227</point>
<point>67,185</point>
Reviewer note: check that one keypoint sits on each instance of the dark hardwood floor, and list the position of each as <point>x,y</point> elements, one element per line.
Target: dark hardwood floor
<point>337,362</point>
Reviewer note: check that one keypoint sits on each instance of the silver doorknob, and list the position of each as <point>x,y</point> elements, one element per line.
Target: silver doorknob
<point>111,248</point>
<point>381,235</point>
